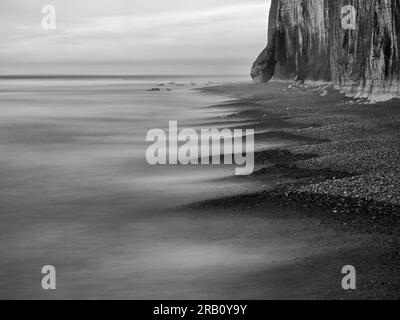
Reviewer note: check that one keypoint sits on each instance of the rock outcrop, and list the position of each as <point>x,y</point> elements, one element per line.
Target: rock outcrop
<point>307,41</point>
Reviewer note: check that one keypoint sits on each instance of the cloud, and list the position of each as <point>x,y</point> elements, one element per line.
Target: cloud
<point>205,31</point>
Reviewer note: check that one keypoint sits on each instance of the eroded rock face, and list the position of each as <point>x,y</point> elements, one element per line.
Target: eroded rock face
<point>308,42</point>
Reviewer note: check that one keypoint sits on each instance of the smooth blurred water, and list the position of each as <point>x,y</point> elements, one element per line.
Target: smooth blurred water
<point>75,189</point>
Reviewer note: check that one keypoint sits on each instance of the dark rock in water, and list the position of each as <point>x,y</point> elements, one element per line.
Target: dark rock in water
<point>307,41</point>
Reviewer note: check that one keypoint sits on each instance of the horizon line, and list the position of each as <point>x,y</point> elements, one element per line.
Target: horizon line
<point>104,75</point>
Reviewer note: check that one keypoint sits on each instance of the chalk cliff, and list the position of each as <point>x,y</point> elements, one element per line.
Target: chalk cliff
<point>307,41</point>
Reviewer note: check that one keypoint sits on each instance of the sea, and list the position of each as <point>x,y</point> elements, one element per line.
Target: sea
<point>77,193</point>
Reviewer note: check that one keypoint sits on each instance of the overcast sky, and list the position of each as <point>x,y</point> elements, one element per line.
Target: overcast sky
<point>133,36</point>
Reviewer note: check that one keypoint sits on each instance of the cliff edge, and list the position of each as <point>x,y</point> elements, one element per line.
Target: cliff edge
<point>312,40</point>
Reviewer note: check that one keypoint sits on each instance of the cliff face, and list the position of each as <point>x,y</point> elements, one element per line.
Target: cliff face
<point>306,41</point>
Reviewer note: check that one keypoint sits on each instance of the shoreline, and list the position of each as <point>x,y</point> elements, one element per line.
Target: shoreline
<point>113,217</point>
<point>335,173</point>
<point>316,180</point>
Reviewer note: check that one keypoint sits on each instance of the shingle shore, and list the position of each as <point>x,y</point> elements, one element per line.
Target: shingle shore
<point>357,145</point>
